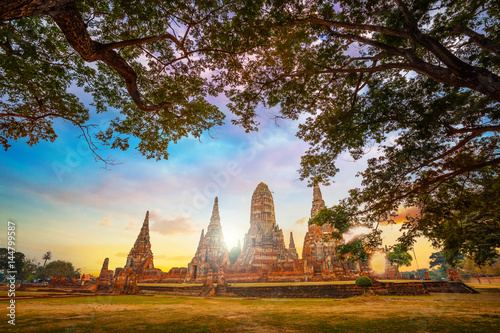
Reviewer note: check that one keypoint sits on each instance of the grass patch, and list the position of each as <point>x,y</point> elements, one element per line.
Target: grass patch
<point>484,285</point>
<point>167,313</point>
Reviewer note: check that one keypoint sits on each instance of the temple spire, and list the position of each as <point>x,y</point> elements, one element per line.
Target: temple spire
<point>140,256</point>
<point>146,220</point>
<point>292,243</point>
<point>143,236</point>
<point>318,203</point>
<point>215,219</point>
<point>291,247</point>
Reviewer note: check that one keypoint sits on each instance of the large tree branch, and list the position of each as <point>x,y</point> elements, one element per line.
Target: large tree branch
<point>412,23</point>
<point>140,41</point>
<point>71,24</point>
<point>448,152</point>
<point>356,26</point>
<point>433,45</point>
<point>428,183</point>
<point>33,118</point>
<point>480,40</point>
<point>11,10</point>
<point>476,130</point>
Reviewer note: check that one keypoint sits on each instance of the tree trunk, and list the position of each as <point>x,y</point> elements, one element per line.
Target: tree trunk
<point>11,10</point>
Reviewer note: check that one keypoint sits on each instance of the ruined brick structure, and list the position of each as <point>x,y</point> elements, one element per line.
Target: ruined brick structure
<point>106,273</point>
<point>264,256</point>
<point>140,260</point>
<point>104,281</point>
<point>453,275</point>
<point>125,282</point>
<point>318,254</point>
<point>292,249</point>
<point>391,271</point>
<point>264,244</point>
<point>140,257</point>
<point>212,251</point>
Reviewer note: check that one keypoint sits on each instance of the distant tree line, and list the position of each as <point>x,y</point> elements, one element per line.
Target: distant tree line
<point>29,270</point>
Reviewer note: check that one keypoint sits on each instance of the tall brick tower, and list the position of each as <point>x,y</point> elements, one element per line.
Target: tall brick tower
<point>264,243</point>
<point>140,256</point>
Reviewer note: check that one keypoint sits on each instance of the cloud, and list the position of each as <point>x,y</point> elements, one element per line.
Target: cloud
<point>106,222</point>
<point>302,221</point>
<point>121,254</point>
<point>402,213</point>
<point>130,226</point>
<point>171,226</point>
<point>161,256</point>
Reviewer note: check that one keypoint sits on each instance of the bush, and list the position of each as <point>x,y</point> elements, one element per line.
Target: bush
<point>364,281</point>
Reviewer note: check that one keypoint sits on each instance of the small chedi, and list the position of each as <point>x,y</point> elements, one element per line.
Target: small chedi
<point>105,277</point>
<point>264,255</point>
<point>140,257</point>
<point>140,261</point>
<point>211,254</point>
<point>318,254</point>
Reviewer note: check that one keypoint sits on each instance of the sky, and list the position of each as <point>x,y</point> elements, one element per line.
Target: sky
<point>65,202</point>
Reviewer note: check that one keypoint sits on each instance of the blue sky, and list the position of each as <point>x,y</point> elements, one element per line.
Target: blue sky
<point>65,202</point>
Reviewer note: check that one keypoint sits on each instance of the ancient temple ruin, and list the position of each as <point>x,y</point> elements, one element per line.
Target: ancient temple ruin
<point>264,256</point>
<point>318,254</point>
<point>264,244</point>
<point>140,260</point>
<point>292,249</point>
<point>140,257</point>
<point>211,254</point>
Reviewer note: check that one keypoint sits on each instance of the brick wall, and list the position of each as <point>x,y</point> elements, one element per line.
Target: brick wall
<point>319,291</point>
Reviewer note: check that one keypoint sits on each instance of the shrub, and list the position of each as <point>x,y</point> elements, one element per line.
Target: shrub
<point>364,281</point>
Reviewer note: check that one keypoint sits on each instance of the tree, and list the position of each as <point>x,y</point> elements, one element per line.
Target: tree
<point>438,259</point>
<point>234,254</point>
<point>29,270</point>
<point>61,268</point>
<point>11,263</point>
<point>364,282</point>
<point>400,257</point>
<point>470,269</point>
<point>416,79</point>
<point>46,256</point>
<point>146,59</point>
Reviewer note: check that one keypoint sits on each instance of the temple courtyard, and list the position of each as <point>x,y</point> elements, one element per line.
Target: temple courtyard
<point>437,312</point>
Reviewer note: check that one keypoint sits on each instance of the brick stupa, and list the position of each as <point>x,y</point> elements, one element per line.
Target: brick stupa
<point>212,251</point>
<point>318,253</point>
<point>264,244</point>
<point>140,257</point>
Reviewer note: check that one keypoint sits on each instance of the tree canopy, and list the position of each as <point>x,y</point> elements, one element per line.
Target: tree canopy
<point>414,81</point>
<point>145,59</point>
<point>417,81</point>
<point>61,268</point>
<point>399,256</point>
<point>13,262</point>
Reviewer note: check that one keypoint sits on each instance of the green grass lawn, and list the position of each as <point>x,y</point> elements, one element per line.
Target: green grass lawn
<point>165,313</point>
<point>484,285</point>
